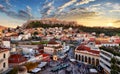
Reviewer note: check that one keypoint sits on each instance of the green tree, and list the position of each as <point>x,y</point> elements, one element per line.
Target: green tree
<point>35,33</point>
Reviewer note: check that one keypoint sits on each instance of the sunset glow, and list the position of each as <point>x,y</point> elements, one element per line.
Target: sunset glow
<point>110,25</point>
<point>85,12</point>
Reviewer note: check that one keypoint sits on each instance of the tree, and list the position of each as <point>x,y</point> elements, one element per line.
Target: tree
<point>113,60</point>
<point>13,71</point>
<point>31,65</point>
<point>114,67</point>
<point>35,33</point>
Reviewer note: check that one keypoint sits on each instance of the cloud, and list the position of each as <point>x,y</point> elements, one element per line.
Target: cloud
<point>115,11</point>
<point>47,4</point>
<point>84,2</point>
<point>61,8</point>
<point>113,7</point>
<point>96,5</point>
<point>117,21</point>
<point>28,10</point>
<point>80,13</point>
<point>8,3</point>
<point>47,9</point>
<point>96,8</point>
<point>21,14</point>
<point>2,8</point>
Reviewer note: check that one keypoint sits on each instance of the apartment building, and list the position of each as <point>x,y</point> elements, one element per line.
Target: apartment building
<point>105,58</point>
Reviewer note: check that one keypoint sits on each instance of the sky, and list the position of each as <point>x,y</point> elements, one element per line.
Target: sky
<point>105,13</point>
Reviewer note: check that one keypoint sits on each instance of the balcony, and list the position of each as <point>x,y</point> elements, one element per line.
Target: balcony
<point>105,62</point>
<point>109,58</point>
<point>105,67</point>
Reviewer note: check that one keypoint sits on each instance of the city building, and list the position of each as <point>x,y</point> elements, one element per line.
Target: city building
<point>16,59</point>
<point>6,43</point>
<point>87,55</point>
<point>110,59</point>
<point>52,46</point>
<point>4,54</point>
<point>105,58</point>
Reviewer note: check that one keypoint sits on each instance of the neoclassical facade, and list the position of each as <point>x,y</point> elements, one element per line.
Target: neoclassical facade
<point>87,55</point>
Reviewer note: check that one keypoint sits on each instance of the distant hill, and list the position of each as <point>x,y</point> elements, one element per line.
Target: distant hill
<point>51,22</point>
<point>56,23</point>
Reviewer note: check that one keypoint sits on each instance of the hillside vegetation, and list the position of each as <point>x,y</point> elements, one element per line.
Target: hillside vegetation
<point>98,30</point>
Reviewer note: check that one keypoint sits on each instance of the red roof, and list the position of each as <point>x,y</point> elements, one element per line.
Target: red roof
<point>52,42</point>
<point>41,51</point>
<point>92,39</point>
<point>45,55</point>
<point>64,38</point>
<point>97,42</point>
<point>16,58</point>
<point>84,48</point>
<point>3,49</point>
<point>117,40</point>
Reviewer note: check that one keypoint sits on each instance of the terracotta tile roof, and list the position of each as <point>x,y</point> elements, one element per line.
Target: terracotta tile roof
<point>85,48</point>
<point>3,49</point>
<point>16,58</point>
<point>117,40</point>
<point>45,55</point>
<point>52,42</point>
<point>41,51</point>
<point>92,39</point>
<point>97,42</point>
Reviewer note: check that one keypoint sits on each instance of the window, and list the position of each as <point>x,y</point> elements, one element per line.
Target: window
<point>79,57</point>
<point>85,58</point>
<point>82,58</point>
<point>76,56</point>
<point>97,62</point>
<point>4,64</point>
<point>89,60</point>
<point>93,61</point>
<point>4,56</point>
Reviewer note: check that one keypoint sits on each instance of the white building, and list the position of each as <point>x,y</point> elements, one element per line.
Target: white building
<point>51,47</point>
<point>105,58</point>
<point>4,54</point>
<point>6,43</point>
<point>16,38</point>
<point>109,44</point>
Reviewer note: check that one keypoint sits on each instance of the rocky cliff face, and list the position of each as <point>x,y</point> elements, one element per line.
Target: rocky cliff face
<point>48,22</point>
